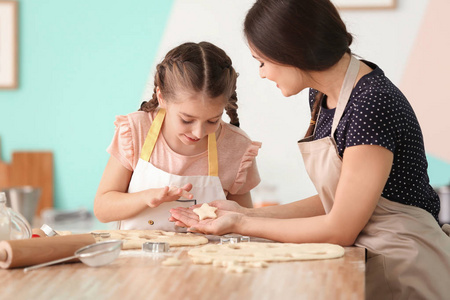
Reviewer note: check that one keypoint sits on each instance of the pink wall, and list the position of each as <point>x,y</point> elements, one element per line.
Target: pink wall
<point>426,79</point>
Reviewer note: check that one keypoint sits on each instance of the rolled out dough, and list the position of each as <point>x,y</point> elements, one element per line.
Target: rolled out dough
<point>133,239</point>
<point>251,252</point>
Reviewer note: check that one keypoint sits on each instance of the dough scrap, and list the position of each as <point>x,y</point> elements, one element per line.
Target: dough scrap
<point>253,252</point>
<point>257,264</point>
<point>205,212</point>
<point>236,269</point>
<point>133,239</point>
<point>172,261</point>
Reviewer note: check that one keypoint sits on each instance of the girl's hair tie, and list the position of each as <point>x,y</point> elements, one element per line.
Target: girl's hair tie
<point>312,122</point>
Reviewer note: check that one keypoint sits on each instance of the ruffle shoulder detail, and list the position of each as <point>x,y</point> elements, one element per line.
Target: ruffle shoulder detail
<point>248,163</point>
<point>122,144</point>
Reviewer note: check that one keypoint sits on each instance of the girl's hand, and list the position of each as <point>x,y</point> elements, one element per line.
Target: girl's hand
<point>167,194</point>
<point>225,222</point>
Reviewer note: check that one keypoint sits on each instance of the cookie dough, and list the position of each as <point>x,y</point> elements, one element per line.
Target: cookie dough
<point>258,254</point>
<point>205,212</point>
<point>172,261</point>
<point>133,239</point>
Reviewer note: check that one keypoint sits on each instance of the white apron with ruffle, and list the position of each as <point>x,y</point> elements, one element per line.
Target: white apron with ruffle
<point>146,176</point>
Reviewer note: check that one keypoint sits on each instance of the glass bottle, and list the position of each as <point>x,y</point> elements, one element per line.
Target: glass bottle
<point>5,219</point>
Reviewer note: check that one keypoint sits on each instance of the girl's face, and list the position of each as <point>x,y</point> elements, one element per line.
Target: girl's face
<point>290,80</point>
<point>191,117</point>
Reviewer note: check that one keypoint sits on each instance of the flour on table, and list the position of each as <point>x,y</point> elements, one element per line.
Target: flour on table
<point>133,239</point>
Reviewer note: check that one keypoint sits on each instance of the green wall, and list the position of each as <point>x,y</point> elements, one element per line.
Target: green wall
<point>81,63</point>
<point>438,171</point>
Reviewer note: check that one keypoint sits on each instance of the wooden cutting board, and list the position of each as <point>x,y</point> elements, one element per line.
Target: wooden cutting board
<point>33,169</point>
<point>4,174</point>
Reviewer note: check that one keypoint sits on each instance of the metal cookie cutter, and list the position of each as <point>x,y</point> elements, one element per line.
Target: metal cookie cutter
<point>48,230</point>
<point>155,247</point>
<point>233,239</point>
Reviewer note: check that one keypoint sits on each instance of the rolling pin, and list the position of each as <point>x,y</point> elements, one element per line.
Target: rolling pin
<point>28,252</point>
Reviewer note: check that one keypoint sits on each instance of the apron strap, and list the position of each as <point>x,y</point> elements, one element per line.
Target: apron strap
<point>152,137</point>
<point>346,91</point>
<point>213,165</point>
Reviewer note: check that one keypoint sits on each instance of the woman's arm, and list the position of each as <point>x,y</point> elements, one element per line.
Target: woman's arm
<point>307,207</point>
<point>113,203</point>
<point>365,170</point>
<point>364,173</point>
<point>244,200</point>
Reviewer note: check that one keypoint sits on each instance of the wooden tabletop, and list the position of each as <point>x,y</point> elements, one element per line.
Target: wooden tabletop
<point>139,275</point>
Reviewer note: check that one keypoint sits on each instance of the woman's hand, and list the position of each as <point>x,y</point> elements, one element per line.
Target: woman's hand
<point>226,221</point>
<point>227,205</point>
<point>224,205</point>
<point>167,194</point>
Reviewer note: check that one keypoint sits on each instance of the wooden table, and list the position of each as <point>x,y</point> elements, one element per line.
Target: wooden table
<point>139,275</point>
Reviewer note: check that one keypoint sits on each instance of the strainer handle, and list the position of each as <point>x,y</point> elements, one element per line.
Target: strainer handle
<point>49,263</point>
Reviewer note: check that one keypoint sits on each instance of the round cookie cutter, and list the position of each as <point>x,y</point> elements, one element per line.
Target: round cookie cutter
<point>155,247</point>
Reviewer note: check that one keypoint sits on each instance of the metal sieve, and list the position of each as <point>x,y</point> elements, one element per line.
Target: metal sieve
<point>94,255</point>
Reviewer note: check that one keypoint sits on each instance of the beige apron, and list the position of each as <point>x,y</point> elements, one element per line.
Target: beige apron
<point>147,176</point>
<point>408,255</point>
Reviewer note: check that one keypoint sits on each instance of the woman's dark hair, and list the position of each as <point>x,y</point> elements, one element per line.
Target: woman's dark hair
<point>193,67</point>
<point>307,34</point>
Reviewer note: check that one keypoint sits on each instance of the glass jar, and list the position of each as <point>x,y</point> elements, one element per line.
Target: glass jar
<point>5,219</point>
<point>13,226</point>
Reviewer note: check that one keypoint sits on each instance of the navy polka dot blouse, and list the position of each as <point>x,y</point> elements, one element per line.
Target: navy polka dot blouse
<point>379,114</point>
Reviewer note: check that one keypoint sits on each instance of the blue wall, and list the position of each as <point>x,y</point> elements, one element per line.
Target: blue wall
<point>81,63</point>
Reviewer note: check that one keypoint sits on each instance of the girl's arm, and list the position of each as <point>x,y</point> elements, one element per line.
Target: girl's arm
<point>364,173</point>
<point>113,203</point>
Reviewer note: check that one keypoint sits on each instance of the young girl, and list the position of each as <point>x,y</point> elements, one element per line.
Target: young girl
<point>176,150</point>
<point>364,152</point>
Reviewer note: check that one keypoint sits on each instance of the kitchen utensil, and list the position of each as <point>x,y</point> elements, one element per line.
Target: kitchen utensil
<point>28,252</point>
<point>20,228</point>
<point>94,255</point>
<point>23,199</point>
<point>233,239</point>
<point>16,224</point>
<point>48,230</point>
<point>155,247</point>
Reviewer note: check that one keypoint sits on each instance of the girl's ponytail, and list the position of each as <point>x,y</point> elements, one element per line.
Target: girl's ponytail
<point>231,109</point>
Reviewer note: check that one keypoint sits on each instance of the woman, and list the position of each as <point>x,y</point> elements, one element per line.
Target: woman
<point>363,151</point>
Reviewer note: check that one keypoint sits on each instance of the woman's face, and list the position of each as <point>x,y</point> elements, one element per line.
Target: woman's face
<point>290,80</point>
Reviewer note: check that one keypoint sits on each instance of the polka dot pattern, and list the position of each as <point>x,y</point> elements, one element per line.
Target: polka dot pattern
<point>379,114</point>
